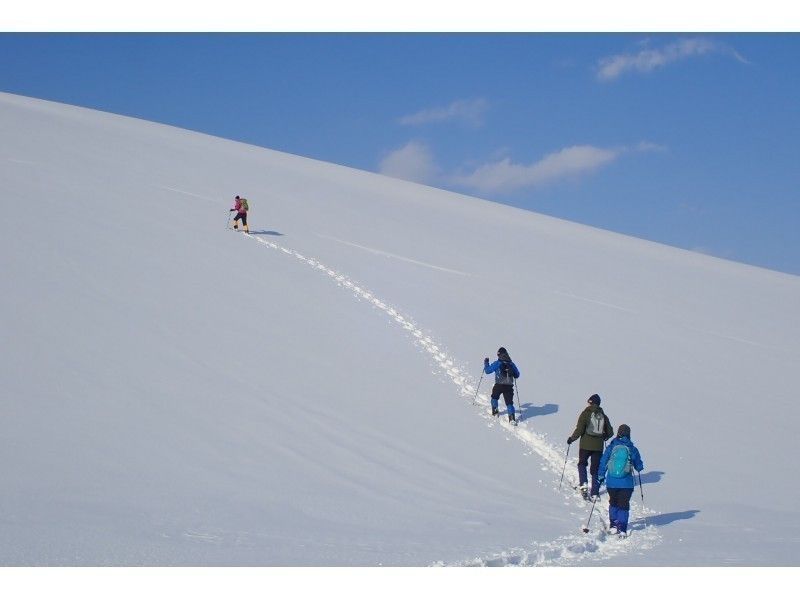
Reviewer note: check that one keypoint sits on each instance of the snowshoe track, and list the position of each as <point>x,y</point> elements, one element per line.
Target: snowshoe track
<point>565,550</point>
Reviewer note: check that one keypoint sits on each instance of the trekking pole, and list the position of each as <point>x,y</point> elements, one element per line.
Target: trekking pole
<point>228,223</point>
<point>586,527</point>
<point>640,485</point>
<point>518,401</point>
<point>477,388</point>
<point>565,467</point>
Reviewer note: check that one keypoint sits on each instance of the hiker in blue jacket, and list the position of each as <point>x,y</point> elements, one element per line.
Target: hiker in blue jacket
<point>619,461</point>
<point>504,374</point>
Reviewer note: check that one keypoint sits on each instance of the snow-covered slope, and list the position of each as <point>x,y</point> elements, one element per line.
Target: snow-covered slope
<point>177,393</point>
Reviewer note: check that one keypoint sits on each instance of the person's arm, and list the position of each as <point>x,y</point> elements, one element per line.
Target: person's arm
<point>609,429</point>
<point>490,368</point>
<point>638,464</point>
<point>580,428</point>
<point>601,470</point>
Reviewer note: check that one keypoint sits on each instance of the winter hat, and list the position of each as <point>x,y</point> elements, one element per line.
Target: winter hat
<point>502,351</point>
<point>237,197</point>
<point>594,399</point>
<point>624,430</point>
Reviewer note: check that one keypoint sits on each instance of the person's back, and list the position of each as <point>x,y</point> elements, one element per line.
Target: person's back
<point>241,207</point>
<point>620,459</point>
<point>593,428</point>
<point>505,372</point>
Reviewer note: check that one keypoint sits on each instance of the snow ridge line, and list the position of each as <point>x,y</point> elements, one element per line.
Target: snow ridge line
<point>563,550</point>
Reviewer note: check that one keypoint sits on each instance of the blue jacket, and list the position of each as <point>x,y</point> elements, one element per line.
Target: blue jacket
<point>636,461</point>
<point>499,377</point>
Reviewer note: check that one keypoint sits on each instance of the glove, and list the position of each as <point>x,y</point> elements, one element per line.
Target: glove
<point>486,360</point>
<point>570,440</point>
<point>601,481</point>
<point>232,210</point>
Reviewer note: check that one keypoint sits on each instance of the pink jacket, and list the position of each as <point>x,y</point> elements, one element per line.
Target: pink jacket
<point>237,205</point>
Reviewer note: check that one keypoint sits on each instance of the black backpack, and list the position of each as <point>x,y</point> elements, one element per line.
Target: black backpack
<point>506,372</point>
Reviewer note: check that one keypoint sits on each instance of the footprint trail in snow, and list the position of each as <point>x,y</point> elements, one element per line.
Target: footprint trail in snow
<point>564,550</point>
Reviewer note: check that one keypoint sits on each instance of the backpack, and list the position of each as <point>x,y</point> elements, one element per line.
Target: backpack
<point>506,373</point>
<point>596,426</point>
<point>619,461</point>
<point>244,204</point>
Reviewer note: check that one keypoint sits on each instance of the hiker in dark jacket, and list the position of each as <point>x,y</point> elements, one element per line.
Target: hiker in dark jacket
<point>593,428</point>
<point>619,461</point>
<point>504,374</point>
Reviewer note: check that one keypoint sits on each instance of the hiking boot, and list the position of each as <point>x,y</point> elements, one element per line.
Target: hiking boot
<point>623,535</point>
<point>495,411</point>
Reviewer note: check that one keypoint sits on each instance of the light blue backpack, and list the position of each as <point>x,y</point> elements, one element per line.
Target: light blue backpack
<point>619,462</point>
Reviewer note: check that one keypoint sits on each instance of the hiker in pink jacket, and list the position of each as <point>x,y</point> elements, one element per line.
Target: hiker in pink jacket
<point>240,207</point>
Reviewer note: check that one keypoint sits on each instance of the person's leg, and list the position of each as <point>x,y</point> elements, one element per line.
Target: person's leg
<point>236,221</point>
<point>495,397</point>
<point>244,223</point>
<point>595,466</point>
<point>583,461</point>
<point>624,509</point>
<point>508,397</point>
<point>613,508</point>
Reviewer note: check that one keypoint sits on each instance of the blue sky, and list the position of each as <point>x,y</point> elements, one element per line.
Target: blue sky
<point>687,139</point>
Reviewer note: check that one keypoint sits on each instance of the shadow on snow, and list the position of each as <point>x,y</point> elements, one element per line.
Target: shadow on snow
<point>529,410</point>
<point>652,477</point>
<point>667,518</point>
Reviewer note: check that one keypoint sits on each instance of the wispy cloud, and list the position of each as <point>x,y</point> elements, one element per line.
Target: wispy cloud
<point>504,176</point>
<point>412,162</point>
<point>470,112</point>
<point>649,59</point>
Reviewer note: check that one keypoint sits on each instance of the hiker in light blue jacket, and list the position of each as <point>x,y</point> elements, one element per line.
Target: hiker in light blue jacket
<point>619,461</point>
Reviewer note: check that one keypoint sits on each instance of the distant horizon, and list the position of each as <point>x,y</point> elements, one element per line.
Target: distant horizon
<point>688,140</point>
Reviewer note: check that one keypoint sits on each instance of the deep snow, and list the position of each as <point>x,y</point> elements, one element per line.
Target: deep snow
<point>175,393</point>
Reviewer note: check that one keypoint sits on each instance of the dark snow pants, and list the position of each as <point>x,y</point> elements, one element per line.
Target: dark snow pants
<point>619,507</point>
<point>583,460</point>
<point>508,396</point>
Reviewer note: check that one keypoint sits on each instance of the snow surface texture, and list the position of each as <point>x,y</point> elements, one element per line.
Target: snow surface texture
<point>175,393</point>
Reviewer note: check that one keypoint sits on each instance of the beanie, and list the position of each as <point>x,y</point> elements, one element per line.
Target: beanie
<point>624,430</point>
<point>502,350</point>
<point>594,399</point>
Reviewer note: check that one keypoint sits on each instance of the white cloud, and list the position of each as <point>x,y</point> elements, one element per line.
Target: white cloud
<point>648,146</point>
<point>470,112</point>
<point>504,176</point>
<point>649,59</point>
<point>412,162</point>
